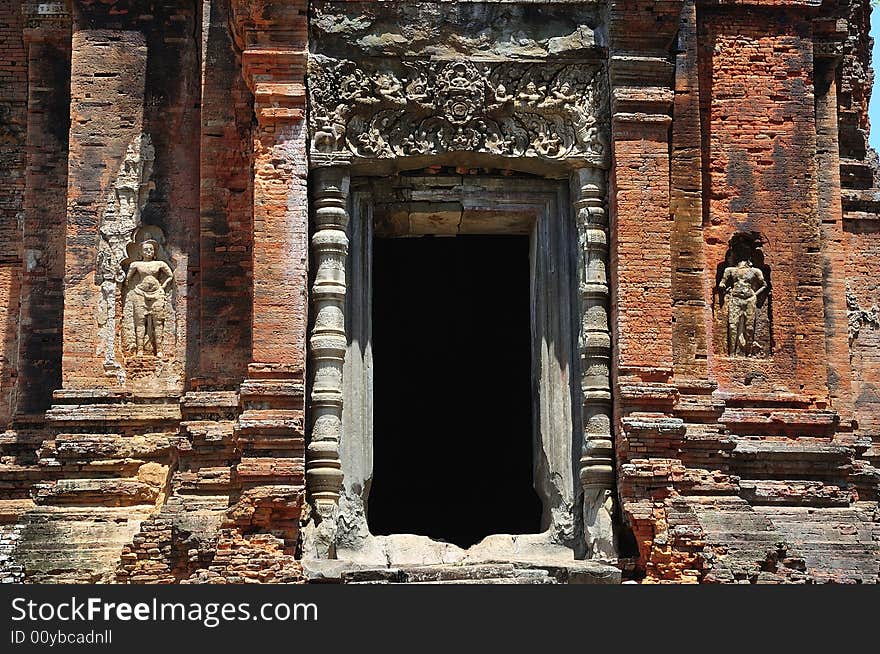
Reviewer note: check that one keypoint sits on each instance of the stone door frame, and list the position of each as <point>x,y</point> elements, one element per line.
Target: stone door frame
<point>498,206</point>
<point>378,117</point>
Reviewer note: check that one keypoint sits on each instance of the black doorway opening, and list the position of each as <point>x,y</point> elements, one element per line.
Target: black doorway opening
<point>452,404</point>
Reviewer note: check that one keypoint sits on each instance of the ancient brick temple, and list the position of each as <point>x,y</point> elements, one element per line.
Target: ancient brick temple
<point>511,291</point>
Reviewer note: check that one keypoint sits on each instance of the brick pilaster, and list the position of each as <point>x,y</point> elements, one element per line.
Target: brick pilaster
<point>47,37</point>
<point>273,45</point>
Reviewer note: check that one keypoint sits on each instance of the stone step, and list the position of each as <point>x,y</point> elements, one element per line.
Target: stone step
<point>706,446</point>
<point>16,481</point>
<point>207,442</point>
<point>747,421</point>
<point>96,492</point>
<point>204,480</point>
<point>254,424</point>
<point>771,492</point>
<point>701,481</point>
<point>76,545</point>
<point>460,572</point>
<point>861,204</point>
<point>866,478</point>
<point>653,435</point>
<point>744,544</point>
<point>839,545</point>
<point>20,445</point>
<point>210,405</point>
<point>638,395</point>
<point>152,415</point>
<point>270,470</point>
<point>689,387</point>
<point>699,408</point>
<point>209,431</point>
<point>490,581</point>
<point>872,454</point>
<point>84,448</point>
<point>274,393</point>
<point>804,459</point>
<point>775,400</point>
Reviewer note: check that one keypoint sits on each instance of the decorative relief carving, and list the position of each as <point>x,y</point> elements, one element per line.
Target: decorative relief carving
<point>327,356</point>
<point>858,317</point>
<point>400,109</point>
<point>743,289</point>
<point>133,262</point>
<point>46,15</point>
<point>597,448</point>
<point>148,314</point>
<point>118,225</point>
<point>742,286</point>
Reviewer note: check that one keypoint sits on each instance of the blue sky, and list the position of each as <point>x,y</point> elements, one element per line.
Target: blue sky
<point>874,112</point>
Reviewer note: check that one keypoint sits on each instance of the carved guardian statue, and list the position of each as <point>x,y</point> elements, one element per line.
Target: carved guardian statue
<point>147,282</point>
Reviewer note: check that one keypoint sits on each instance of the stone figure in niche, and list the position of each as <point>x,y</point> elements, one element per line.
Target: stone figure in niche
<point>325,138</point>
<point>742,288</point>
<point>148,281</point>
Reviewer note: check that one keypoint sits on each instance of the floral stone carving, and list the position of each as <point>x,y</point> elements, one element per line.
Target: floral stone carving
<point>859,317</point>
<point>400,109</point>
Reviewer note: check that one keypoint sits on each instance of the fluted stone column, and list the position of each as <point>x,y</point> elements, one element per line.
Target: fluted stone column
<point>597,454</point>
<point>327,349</point>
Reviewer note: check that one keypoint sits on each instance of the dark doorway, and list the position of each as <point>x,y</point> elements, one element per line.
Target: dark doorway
<point>452,443</point>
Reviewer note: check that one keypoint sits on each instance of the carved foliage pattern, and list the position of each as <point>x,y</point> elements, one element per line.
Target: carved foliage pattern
<point>858,317</point>
<point>549,111</point>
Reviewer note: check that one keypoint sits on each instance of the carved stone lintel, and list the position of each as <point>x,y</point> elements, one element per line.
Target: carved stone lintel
<point>328,342</point>
<point>393,109</point>
<point>597,456</point>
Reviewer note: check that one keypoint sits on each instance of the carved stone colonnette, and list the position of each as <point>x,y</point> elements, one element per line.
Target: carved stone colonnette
<point>513,112</point>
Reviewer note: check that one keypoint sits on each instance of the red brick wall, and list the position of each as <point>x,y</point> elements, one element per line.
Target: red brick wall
<point>641,255</point>
<point>172,119</point>
<point>13,125</point>
<point>226,208</point>
<point>125,83</point>
<point>108,71</point>
<point>686,206</point>
<point>863,272</point>
<point>45,218</point>
<point>759,147</point>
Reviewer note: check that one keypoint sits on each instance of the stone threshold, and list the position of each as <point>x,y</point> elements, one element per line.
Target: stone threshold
<point>488,572</point>
<point>500,558</point>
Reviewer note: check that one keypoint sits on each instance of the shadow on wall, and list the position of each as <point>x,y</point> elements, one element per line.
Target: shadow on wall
<point>9,301</point>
